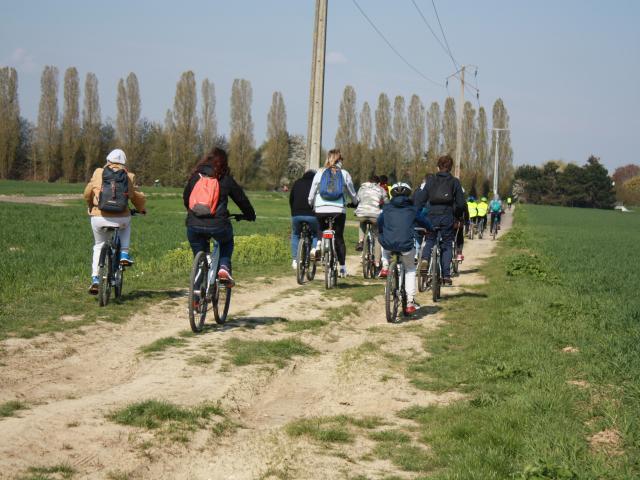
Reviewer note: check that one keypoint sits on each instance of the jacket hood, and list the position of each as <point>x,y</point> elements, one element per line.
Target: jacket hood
<point>401,201</point>
<point>308,175</point>
<point>205,170</point>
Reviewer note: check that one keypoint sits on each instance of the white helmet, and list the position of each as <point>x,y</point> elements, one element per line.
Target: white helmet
<point>400,188</point>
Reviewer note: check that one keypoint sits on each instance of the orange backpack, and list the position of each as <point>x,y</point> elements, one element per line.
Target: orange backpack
<point>203,200</point>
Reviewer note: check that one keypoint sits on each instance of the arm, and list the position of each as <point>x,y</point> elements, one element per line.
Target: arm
<point>380,222</point>
<point>314,187</point>
<point>238,196</point>
<point>293,187</point>
<point>187,191</point>
<point>458,202</point>
<point>423,221</point>
<point>88,190</point>
<point>136,196</point>
<point>350,188</point>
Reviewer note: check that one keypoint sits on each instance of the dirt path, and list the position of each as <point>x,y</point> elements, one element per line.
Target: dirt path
<point>71,381</point>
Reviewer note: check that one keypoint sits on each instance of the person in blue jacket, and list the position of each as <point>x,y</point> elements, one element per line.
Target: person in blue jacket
<point>396,226</point>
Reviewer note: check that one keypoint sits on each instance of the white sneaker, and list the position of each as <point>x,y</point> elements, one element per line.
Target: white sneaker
<point>343,272</point>
<point>294,264</point>
<point>312,253</point>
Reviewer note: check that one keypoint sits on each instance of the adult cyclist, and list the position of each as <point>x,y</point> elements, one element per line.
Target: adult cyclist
<point>495,207</point>
<point>509,203</point>
<point>483,208</point>
<point>301,212</point>
<point>327,197</point>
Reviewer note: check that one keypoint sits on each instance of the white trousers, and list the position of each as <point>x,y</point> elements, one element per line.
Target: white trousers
<point>100,236</point>
<point>408,260</point>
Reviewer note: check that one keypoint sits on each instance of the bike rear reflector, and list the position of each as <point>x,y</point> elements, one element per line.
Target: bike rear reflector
<point>327,234</point>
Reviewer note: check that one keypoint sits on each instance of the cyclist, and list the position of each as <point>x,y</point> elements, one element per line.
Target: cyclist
<point>105,216</point>
<point>472,208</point>
<point>384,183</point>
<point>201,228</point>
<point>483,208</point>
<point>444,194</point>
<point>495,207</point>
<point>328,201</point>
<point>302,212</point>
<point>396,227</point>
<point>458,226</point>
<point>509,203</point>
<point>371,197</point>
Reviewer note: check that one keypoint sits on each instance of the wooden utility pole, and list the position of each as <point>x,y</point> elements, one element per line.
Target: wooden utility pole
<point>459,124</point>
<point>495,161</point>
<point>316,96</point>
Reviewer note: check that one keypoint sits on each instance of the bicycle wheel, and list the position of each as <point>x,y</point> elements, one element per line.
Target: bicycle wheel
<point>119,281</point>
<point>221,300</point>
<point>328,268</point>
<point>391,294</point>
<point>302,260</point>
<point>197,294</point>
<point>311,263</point>
<point>366,258</point>
<point>421,277</point>
<point>434,272</point>
<point>104,289</point>
<point>494,230</point>
<point>481,230</point>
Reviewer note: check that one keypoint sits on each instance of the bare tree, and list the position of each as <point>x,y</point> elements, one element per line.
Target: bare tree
<point>185,120</point>
<point>170,132</point>
<point>70,123</point>
<point>9,120</point>
<point>208,120</point>
<point>128,117</point>
<point>384,137</point>
<point>481,148</point>
<point>449,127</point>
<point>91,124</point>
<point>277,148</point>
<point>400,137</point>
<point>48,132</point>
<point>434,127</point>
<point>242,143</point>
<point>416,127</point>
<point>505,152</point>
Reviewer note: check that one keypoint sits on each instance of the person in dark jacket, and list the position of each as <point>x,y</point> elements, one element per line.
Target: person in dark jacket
<point>445,197</point>
<point>396,226</point>
<point>302,212</point>
<point>201,229</point>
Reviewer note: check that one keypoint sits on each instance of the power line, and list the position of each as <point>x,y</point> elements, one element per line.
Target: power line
<point>442,30</point>
<point>426,22</point>
<point>411,66</point>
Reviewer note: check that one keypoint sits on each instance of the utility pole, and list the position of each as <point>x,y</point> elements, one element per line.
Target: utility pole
<point>459,122</point>
<point>495,161</point>
<point>316,94</point>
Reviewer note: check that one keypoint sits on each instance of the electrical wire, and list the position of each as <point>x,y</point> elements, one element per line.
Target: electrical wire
<point>426,22</point>
<point>442,30</point>
<point>410,65</point>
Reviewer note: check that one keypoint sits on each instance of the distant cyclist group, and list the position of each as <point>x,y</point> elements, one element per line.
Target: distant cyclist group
<point>400,229</point>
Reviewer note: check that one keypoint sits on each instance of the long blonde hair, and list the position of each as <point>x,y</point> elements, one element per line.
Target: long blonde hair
<point>334,156</point>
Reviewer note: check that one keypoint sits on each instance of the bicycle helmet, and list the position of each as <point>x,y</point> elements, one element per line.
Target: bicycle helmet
<point>483,199</point>
<point>400,188</point>
<point>472,198</point>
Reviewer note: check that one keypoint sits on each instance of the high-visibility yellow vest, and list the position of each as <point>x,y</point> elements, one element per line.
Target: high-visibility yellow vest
<point>483,208</point>
<point>473,209</point>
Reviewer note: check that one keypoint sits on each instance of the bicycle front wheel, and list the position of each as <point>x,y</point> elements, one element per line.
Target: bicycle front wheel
<point>119,281</point>
<point>104,289</point>
<point>302,261</point>
<point>391,293</point>
<point>221,302</point>
<point>198,292</point>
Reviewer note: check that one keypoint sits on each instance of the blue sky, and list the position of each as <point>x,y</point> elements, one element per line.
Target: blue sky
<point>568,71</point>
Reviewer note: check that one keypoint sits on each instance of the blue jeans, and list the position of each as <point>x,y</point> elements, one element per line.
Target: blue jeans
<point>199,238</point>
<point>296,228</point>
<point>445,222</point>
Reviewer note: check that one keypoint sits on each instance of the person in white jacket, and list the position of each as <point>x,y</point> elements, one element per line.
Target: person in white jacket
<point>328,206</point>
<point>371,197</point>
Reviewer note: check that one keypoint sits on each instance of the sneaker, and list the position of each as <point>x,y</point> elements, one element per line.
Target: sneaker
<point>412,307</point>
<point>359,246</point>
<point>294,264</point>
<point>459,257</point>
<point>384,272</point>
<point>125,259</point>
<point>314,253</point>
<point>225,277</point>
<point>447,282</point>
<point>95,285</point>
<point>424,267</point>
<point>343,272</point>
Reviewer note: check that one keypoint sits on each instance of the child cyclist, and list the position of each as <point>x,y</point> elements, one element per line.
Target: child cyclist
<point>111,209</point>
<point>371,197</point>
<point>396,226</point>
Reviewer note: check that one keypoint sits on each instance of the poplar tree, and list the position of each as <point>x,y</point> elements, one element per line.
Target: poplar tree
<point>91,124</point>
<point>170,133</point>
<point>48,133</point>
<point>128,117</point>
<point>70,123</point>
<point>481,148</point>
<point>416,127</point>
<point>9,120</point>
<point>468,170</point>
<point>366,135</point>
<point>383,137</point>
<point>241,142</point>
<point>185,120</point>
<point>277,147</point>
<point>505,152</point>
<point>347,133</point>
<point>208,119</point>
<point>434,128</point>
<point>400,137</point>
<point>449,127</point>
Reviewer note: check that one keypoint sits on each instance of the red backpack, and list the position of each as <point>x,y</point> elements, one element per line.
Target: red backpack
<point>203,200</point>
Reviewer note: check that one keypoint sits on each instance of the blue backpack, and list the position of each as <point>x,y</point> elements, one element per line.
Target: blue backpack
<point>331,184</point>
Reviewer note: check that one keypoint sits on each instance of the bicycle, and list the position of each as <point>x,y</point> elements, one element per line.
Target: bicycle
<point>395,294</point>
<point>421,277</point>
<point>306,266</point>
<point>329,256</point>
<point>473,228</point>
<point>369,268</point>
<point>495,225</point>
<point>481,227</point>
<point>110,270</point>
<point>455,263</point>
<point>432,277</point>
<point>206,289</point>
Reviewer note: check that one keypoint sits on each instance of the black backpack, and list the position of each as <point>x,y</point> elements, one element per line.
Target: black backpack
<point>441,191</point>
<point>114,194</point>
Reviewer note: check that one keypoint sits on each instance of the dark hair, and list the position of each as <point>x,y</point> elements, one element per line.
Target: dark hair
<point>217,160</point>
<point>383,179</point>
<point>445,162</point>
<point>373,178</point>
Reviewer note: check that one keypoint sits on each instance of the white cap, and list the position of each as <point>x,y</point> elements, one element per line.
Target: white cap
<point>117,156</point>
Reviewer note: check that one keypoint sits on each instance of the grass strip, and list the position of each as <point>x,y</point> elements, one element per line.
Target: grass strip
<point>247,352</point>
<point>8,409</point>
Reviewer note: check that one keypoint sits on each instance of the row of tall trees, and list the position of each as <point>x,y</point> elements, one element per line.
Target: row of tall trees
<point>409,139</point>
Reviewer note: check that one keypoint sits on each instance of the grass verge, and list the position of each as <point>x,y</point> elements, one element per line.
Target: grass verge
<point>247,352</point>
<point>8,409</point>
<point>337,429</point>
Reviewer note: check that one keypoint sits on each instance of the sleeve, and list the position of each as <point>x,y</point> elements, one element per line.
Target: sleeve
<point>187,191</point>
<point>293,187</point>
<point>88,190</point>
<point>420,197</point>
<point>459,204</point>
<point>359,194</point>
<point>242,201</point>
<point>350,188</point>
<point>423,221</point>
<point>314,187</point>
<point>383,196</point>
<point>137,197</point>
<point>380,222</point>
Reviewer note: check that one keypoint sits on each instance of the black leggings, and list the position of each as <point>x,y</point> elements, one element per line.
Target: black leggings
<point>338,226</point>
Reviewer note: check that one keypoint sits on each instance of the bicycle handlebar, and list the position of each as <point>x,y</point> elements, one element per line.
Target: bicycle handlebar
<point>237,216</point>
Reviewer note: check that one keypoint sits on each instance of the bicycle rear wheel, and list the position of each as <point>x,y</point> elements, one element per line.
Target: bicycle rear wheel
<point>367,271</point>
<point>435,274</point>
<point>104,289</point>
<point>311,264</point>
<point>391,293</point>
<point>221,300</point>
<point>328,268</point>
<point>302,260</point>
<point>421,276</point>
<point>197,292</point>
